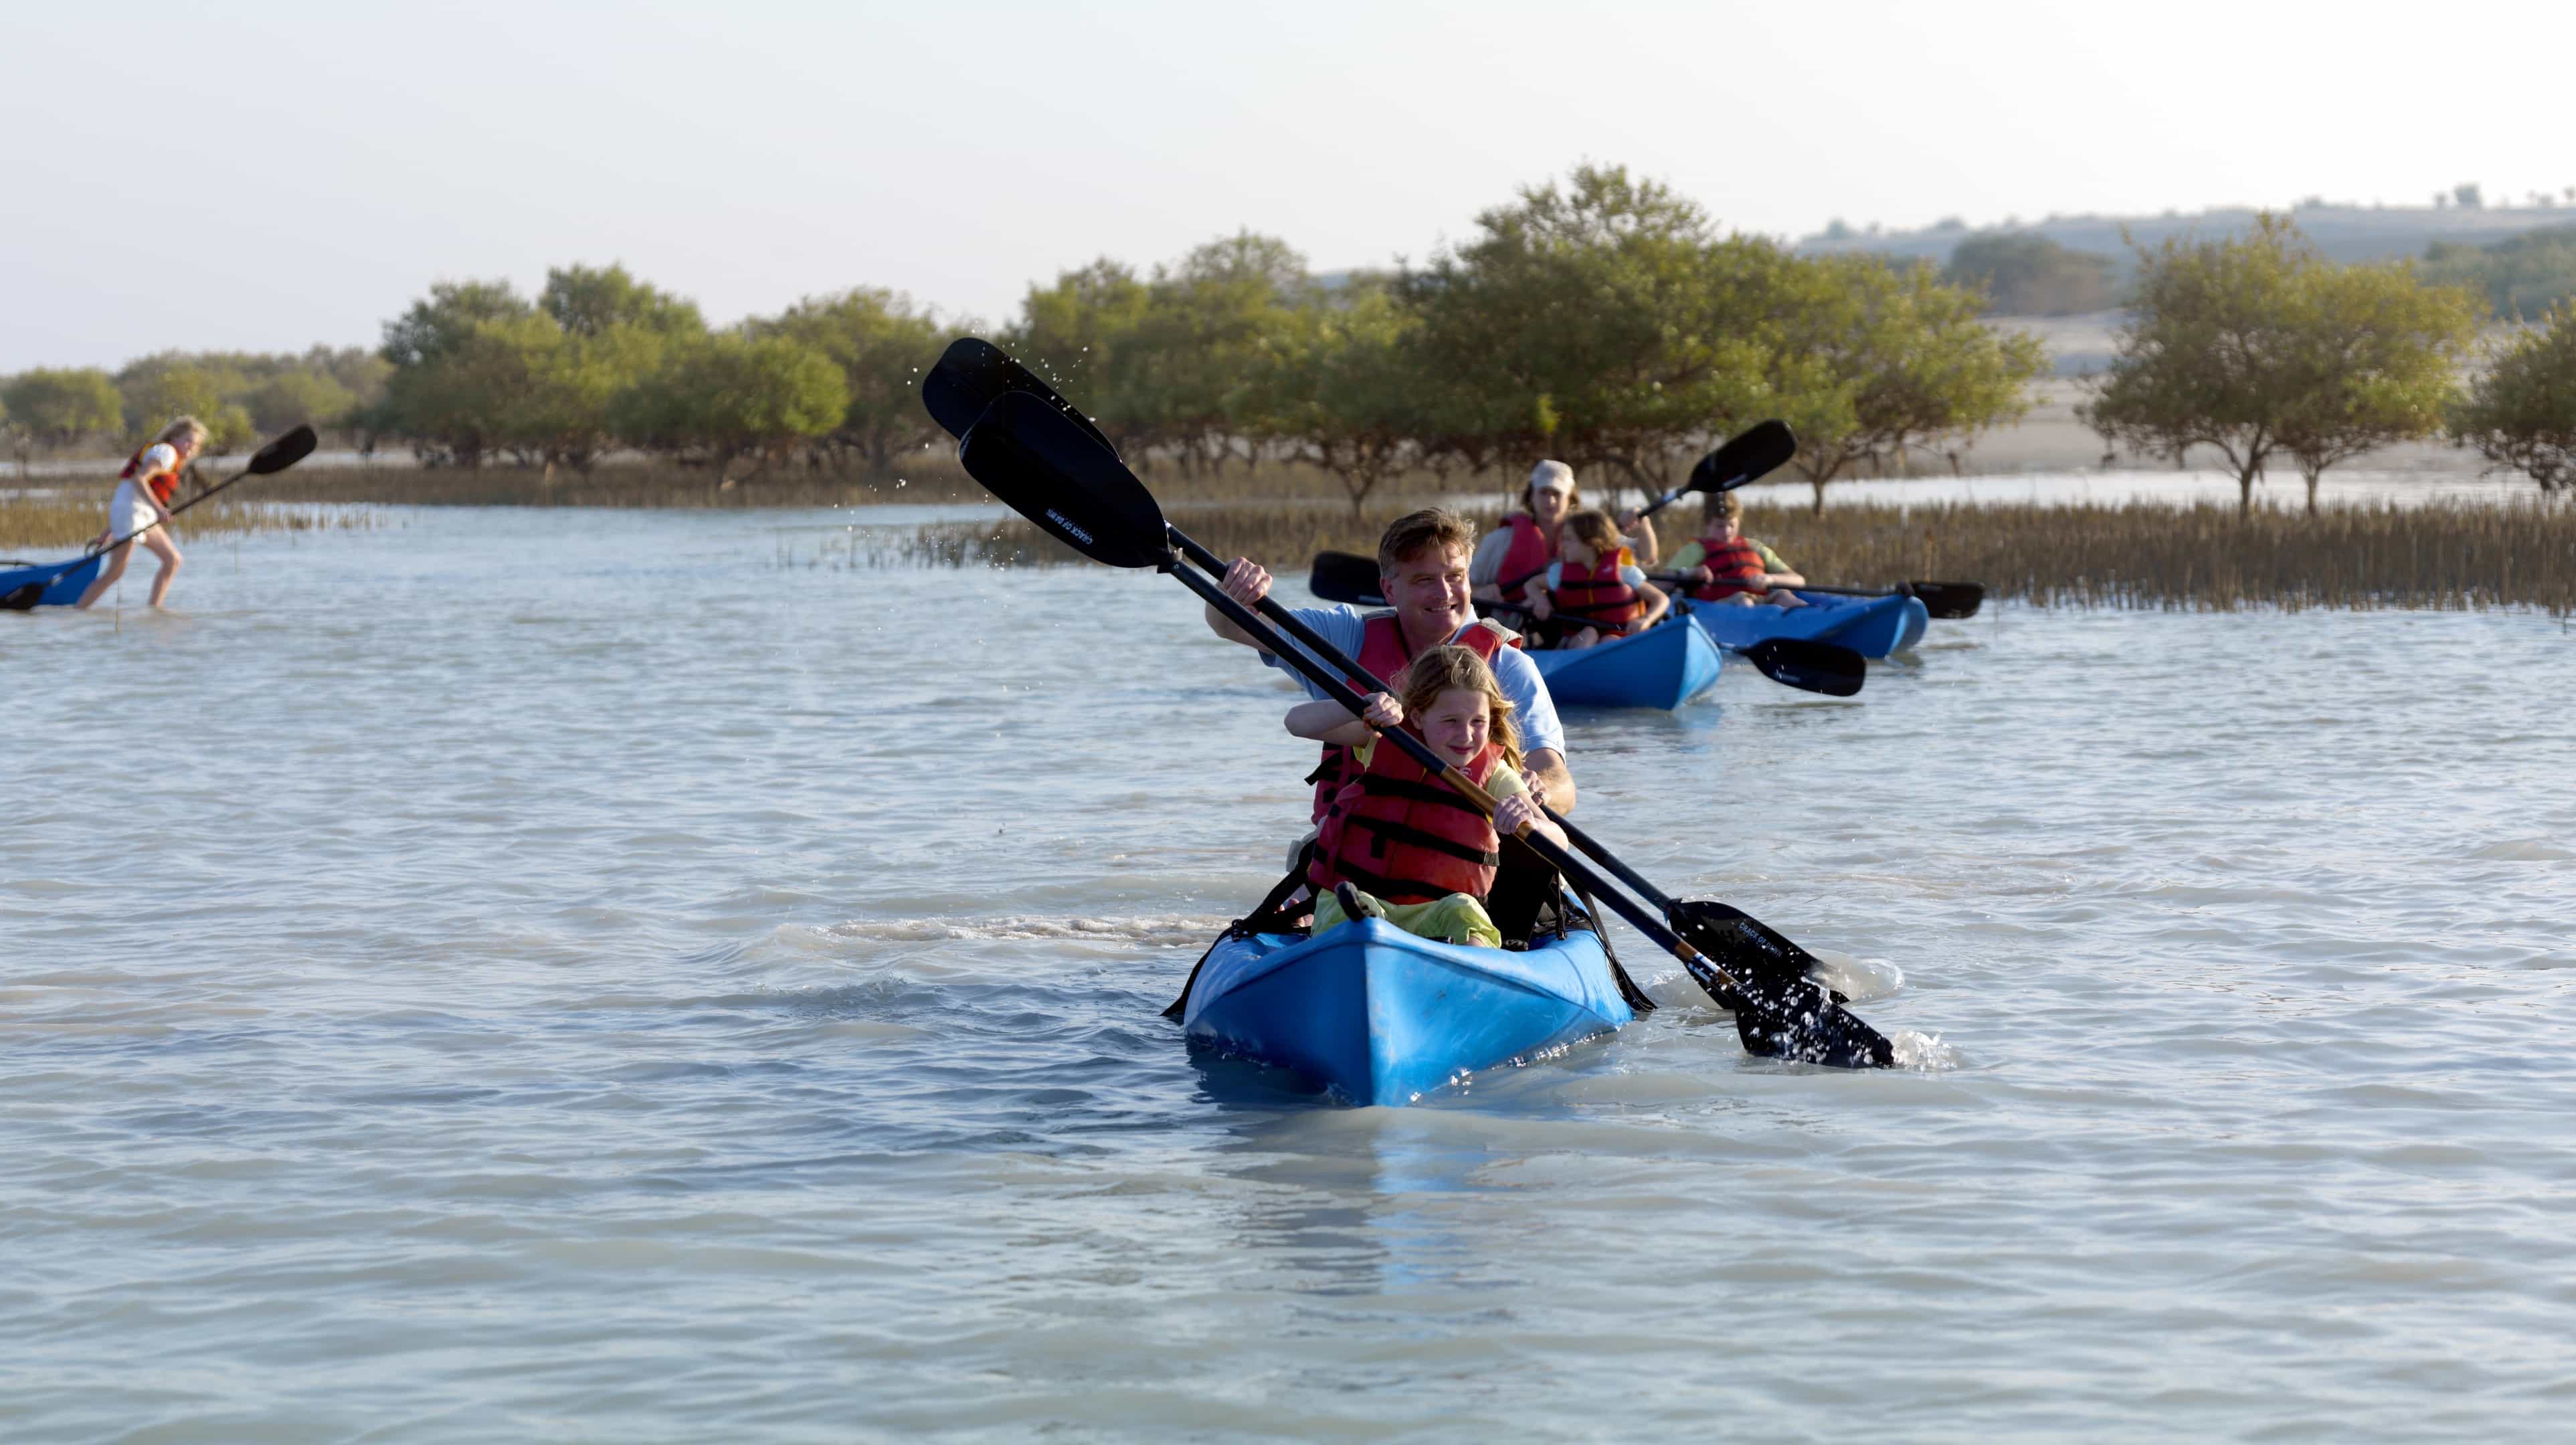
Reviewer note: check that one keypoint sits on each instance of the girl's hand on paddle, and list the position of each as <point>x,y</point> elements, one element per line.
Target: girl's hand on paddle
<point>1383,712</point>
<point>1539,608</point>
<point>1515,813</point>
<point>1247,582</point>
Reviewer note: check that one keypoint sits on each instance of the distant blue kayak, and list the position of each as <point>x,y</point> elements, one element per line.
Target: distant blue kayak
<point>1374,1015</point>
<point>1663,666</point>
<point>1870,626</point>
<point>62,591</point>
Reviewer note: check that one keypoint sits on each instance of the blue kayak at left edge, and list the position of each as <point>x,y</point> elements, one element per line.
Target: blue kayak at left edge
<point>63,591</point>
<point>1664,666</point>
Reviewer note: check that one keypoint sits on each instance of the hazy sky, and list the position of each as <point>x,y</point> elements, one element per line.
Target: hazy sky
<point>265,176</point>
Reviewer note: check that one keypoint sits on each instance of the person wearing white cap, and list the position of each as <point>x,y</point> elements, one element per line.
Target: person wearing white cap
<point>1523,546</point>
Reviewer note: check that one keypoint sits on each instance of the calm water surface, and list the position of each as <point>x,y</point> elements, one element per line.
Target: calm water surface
<point>512,974</point>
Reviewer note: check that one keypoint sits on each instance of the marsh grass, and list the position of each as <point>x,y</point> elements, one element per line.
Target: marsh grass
<point>2139,555</point>
<point>39,523</point>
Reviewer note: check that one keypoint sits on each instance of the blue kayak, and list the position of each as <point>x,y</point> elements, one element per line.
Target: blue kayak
<point>1374,1015</point>
<point>1870,626</point>
<point>62,591</point>
<point>1663,666</point>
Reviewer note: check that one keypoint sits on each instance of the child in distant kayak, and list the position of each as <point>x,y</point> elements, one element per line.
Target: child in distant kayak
<point>1727,566</point>
<point>1593,581</point>
<point>1400,844</point>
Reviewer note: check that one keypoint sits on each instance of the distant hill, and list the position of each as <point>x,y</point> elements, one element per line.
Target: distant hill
<point>2344,233</point>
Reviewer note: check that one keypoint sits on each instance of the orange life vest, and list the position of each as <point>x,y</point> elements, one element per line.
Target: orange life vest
<point>1598,596</point>
<point>1527,556</point>
<point>162,486</point>
<point>1732,567</point>
<point>1402,834</point>
<point>1383,654</point>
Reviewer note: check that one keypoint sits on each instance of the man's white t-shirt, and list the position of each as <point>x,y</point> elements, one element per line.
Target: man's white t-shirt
<point>1533,711</point>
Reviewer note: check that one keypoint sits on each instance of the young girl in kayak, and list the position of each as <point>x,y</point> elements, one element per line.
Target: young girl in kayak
<point>1728,566</point>
<point>1528,539</point>
<point>143,492</point>
<point>1593,582</point>
<point>1400,844</point>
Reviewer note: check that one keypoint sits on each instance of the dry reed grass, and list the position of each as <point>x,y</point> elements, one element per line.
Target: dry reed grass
<point>39,523</point>
<point>2140,555</point>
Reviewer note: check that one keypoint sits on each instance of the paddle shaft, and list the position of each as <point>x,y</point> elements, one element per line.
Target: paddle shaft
<point>174,511</point>
<point>1708,975</point>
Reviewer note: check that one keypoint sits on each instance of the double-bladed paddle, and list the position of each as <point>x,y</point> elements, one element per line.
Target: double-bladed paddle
<point>1758,450</point>
<point>1045,465</point>
<point>289,448</point>
<point>1946,600</point>
<point>1826,667</point>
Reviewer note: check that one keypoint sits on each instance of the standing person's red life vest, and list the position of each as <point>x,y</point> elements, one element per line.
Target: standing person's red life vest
<point>1732,567</point>
<point>1598,596</point>
<point>1384,655</point>
<point>1400,833</point>
<point>162,486</point>
<point>1527,556</point>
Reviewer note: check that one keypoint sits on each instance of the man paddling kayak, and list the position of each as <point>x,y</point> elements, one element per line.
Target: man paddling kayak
<point>1422,570</point>
<point>143,492</point>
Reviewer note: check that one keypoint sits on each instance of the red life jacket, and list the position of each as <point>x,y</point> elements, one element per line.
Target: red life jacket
<point>1732,567</point>
<point>1383,654</point>
<point>1598,596</point>
<point>162,486</point>
<point>1402,834</point>
<point>1527,556</point>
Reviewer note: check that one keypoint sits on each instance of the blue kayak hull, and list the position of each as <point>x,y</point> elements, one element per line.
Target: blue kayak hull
<point>1373,1015</point>
<point>1663,666</point>
<point>1870,626</point>
<point>62,591</point>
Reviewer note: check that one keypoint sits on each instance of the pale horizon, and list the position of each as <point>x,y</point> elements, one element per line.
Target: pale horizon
<point>294,175</point>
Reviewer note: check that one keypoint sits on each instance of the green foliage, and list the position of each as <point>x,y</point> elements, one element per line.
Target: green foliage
<point>2029,275</point>
<point>2521,275</point>
<point>2522,412</point>
<point>882,345</point>
<point>61,407</point>
<point>2258,344</point>
<point>155,394</point>
<point>1081,334</point>
<point>442,321</point>
<point>1339,385</point>
<point>731,396</point>
<point>1872,361</point>
<point>1602,323</point>
<point>590,301</point>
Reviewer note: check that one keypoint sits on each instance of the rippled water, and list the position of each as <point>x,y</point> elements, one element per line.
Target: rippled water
<point>624,976</point>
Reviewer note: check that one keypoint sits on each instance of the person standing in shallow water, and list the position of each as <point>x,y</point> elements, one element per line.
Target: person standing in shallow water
<point>143,493</point>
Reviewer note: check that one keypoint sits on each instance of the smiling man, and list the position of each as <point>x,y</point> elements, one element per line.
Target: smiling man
<point>1422,571</point>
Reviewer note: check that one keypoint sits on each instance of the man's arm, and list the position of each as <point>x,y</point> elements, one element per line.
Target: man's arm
<point>1549,782</point>
<point>1246,582</point>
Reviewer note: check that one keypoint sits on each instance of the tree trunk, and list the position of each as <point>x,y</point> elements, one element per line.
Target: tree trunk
<point>2312,476</point>
<point>2245,476</point>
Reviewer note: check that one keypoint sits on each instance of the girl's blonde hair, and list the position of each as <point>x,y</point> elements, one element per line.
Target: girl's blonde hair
<point>1436,670</point>
<point>1593,529</point>
<point>183,428</point>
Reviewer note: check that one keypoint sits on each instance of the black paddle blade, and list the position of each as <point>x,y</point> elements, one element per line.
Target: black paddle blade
<point>284,452</point>
<point>1825,667</point>
<point>1949,601</point>
<point>1761,448</point>
<point>974,373</point>
<point>1347,577</point>
<point>1049,470</point>
<point>22,598</point>
<point>1780,1013</point>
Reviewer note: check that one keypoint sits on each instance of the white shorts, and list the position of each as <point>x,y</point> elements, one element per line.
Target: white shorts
<point>131,511</point>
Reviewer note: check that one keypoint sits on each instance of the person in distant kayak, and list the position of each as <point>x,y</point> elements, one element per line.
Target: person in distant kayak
<point>1422,570</point>
<point>1593,587</point>
<point>143,493</point>
<point>1397,842</point>
<point>1727,566</point>
<point>1520,549</point>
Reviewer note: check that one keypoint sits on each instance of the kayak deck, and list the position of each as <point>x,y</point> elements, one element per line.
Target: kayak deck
<point>1662,667</point>
<point>1374,1015</point>
<point>1870,626</point>
<point>61,591</point>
